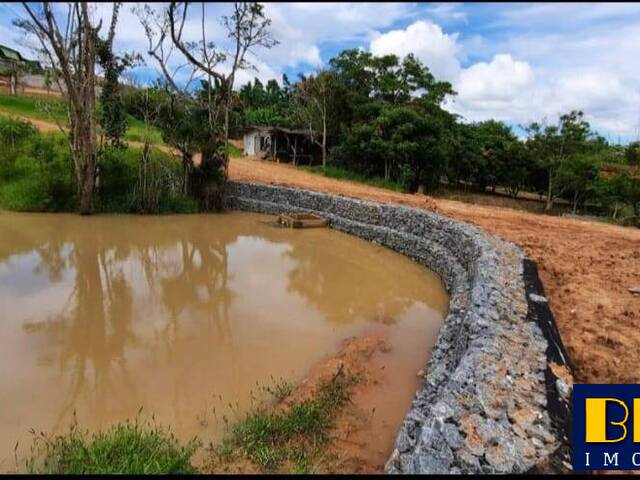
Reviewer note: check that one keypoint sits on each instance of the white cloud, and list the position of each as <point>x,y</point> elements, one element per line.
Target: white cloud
<point>499,80</point>
<point>499,89</point>
<point>436,49</point>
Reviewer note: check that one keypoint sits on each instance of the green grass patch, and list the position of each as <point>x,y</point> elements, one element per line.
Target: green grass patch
<point>289,440</point>
<point>235,151</point>
<point>127,448</point>
<point>47,109</point>
<point>52,110</point>
<point>343,174</point>
<point>137,131</point>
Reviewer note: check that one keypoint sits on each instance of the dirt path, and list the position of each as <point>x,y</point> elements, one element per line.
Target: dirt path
<point>587,267</point>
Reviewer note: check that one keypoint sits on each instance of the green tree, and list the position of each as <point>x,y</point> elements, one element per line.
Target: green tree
<point>554,145</point>
<point>632,153</point>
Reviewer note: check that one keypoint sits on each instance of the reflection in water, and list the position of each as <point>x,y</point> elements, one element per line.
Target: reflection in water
<point>183,315</point>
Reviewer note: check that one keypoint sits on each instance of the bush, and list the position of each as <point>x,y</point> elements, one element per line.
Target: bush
<point>126,448</point>
<point>36,173</point>
<point>14,135</point>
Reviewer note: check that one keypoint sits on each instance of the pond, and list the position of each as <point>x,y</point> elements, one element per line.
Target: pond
<point>184,316</point>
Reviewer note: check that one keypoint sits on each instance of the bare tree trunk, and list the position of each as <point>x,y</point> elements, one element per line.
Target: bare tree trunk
<point>324,129</point>
<point>73,54</point>
<point>295,150</point>
<point>84,151</point>
<point>186,163</point>
<point>13,84</point>
<point>549,204</point>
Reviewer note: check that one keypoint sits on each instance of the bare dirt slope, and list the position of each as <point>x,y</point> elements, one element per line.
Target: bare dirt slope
<point>587,267</point>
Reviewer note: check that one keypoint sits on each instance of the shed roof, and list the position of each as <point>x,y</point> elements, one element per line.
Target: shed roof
<point>288,131</point>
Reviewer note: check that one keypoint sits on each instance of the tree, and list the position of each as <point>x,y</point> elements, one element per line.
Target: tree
<point>515,168</point>
<point>314,101</point>
<point>247,28</point>
<point>71,52</point>
<point>577,176</point>
<point>390,121</point>
<point>632,153</point>
<point>556,144</point>
<point>113,116</point>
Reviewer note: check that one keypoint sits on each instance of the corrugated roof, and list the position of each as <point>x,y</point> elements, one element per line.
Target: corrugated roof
<point>290,131</point>
<point>10,53</point>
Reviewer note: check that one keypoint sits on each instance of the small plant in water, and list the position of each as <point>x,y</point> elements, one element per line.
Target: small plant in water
<point>132,447</point>
<point>280,389</point>
<point>289,439</point>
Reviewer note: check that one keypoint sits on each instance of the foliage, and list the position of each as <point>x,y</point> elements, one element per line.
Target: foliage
<point>133,447</point>
<point>112,117</point>
<point>333,171</point>
<point>36,175</point>
<point>33,107</point>
<point>264,105</point>
<point>632,153</point>
<point>14,132</point>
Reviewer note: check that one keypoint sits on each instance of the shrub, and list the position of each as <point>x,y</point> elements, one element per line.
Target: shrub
<point>14,135</point>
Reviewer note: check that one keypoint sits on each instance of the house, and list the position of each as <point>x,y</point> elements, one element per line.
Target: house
<point>282,144</point>
<point>10,58</point>
<point>16,72</point>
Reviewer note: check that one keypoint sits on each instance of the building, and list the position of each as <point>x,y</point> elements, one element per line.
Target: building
<point>282,144</point>
<point>10,58</point>
<point>16,72</point>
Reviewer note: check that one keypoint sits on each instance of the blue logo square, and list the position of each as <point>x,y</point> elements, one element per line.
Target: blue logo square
<point>603,427</point>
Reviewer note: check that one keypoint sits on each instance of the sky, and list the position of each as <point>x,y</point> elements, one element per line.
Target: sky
<point>518,63</point>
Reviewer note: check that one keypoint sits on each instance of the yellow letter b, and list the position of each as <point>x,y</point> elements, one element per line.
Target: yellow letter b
<point>596,420</point>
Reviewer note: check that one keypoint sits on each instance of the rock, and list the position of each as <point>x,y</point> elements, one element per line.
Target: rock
<point>404,442</point>
<point>563,389</point>
<point>442,411</point>
<point>634,290</point>
<point>501,457</point>
<point>537,298</point>
<point>452,436</point>
<point>473,441</point>
<point>420,373</point>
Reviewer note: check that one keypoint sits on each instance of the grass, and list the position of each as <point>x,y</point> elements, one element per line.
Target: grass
<point>289,440</point>
<point>343,174</point>
<point>36,175</point>
<point>235,151</point>
<point>137,131</point>
<point>48,110</point>
<point>51,110</point>
<point>126,448</point>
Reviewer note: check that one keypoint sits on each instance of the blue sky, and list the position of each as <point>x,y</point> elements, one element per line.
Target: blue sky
<point>515,62</point>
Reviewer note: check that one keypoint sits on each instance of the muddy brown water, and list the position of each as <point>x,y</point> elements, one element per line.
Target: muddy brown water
<point>187,316</point>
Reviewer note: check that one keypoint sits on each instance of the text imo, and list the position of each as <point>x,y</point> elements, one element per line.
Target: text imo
<point>606,427</point>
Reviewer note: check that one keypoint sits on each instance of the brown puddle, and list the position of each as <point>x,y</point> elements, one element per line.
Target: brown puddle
<point>185,316</point>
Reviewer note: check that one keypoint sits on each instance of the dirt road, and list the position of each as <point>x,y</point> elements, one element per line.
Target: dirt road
<point>587,267</point>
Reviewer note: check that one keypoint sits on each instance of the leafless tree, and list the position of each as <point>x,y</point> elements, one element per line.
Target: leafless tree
<point>247,28</point>
<point>69,43</point>
<point>313,100</point>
